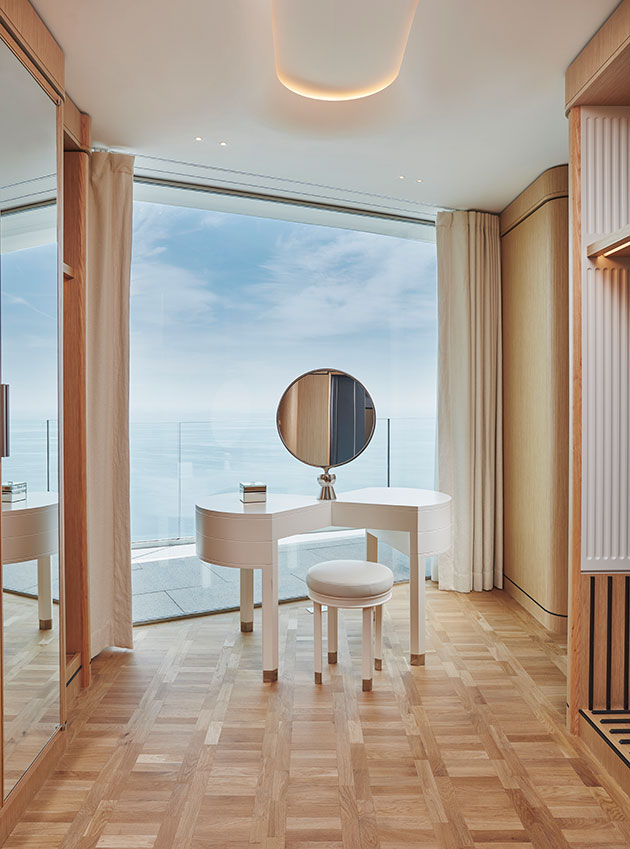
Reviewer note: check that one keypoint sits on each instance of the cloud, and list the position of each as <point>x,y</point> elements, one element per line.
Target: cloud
<point>222,321</point>
<point>168,298</point>
<point>19,301</point>
<point>156,224</point>
<point>347,283</point>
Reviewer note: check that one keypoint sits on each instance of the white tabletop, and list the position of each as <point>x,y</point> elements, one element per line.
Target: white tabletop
<point>34,501</point>
<point>396,496</point>
<point>230,503</point>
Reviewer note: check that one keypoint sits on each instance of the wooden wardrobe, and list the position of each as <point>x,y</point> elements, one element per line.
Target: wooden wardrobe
<point>44,154</point>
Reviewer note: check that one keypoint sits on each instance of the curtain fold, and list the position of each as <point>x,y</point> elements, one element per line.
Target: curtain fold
<point>469,428</point>
<point>109,533</point>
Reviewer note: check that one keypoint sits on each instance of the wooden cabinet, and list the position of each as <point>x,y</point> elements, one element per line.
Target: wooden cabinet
<point>534,269</point>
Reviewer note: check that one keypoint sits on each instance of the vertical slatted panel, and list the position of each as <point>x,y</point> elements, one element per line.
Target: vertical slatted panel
<point>609,648</point>
<point>600,641</point>
<point>619,657</point>
<point>605,345</point>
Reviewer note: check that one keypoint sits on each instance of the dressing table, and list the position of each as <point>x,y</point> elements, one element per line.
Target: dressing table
<point>245,536</point>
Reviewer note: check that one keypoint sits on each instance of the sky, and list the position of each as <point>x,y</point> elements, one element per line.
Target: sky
<point>226,310</point>
<point>28,316</point>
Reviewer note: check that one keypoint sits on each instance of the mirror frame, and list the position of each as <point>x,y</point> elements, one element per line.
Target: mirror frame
<point>319,465</point>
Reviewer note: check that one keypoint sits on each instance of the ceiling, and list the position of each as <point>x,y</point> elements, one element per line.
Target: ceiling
<point>476,113</point>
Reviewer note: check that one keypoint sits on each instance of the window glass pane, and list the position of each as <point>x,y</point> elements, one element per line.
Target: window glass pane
<point>226,310</point>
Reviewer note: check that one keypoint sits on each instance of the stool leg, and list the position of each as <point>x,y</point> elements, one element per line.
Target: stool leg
<point>378,637</point>
<point>317,640</point>
<point>332,634</point>
<point>367,648</point>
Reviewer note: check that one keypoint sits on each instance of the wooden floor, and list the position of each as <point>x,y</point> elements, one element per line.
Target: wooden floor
<point>179,745</point>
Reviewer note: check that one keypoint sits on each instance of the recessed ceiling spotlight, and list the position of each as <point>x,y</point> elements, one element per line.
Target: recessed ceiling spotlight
<point>418,181</point>
<point>222,144</point>
<point>198,138</point>
<point>402,177</point>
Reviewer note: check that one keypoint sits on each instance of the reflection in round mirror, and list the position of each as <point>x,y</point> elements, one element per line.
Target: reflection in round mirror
<point>326,418</point>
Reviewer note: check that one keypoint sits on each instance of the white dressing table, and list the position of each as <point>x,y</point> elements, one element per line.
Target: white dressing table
<point>245,537</point>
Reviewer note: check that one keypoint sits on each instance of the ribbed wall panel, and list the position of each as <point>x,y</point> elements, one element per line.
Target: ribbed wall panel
<point>605,344</point>
<point>605,170</point>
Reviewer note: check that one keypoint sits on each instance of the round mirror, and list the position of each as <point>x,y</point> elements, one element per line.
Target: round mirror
<point>326,418</point>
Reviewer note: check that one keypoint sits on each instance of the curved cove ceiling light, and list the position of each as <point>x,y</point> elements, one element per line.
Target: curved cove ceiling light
<point>340,49</point>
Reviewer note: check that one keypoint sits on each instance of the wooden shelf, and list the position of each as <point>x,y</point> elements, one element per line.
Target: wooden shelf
<point>615,245</point>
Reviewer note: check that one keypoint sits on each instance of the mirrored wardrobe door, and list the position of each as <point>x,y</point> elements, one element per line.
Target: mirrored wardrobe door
<point>28,430</point>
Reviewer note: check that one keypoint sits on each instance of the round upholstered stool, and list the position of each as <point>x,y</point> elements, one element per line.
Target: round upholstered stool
<point>347,584</point>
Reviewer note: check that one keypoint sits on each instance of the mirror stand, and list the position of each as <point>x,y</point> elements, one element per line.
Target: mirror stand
<point>327,484</point>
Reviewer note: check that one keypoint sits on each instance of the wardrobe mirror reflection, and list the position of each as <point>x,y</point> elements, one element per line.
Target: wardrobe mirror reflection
<point>29,332</point>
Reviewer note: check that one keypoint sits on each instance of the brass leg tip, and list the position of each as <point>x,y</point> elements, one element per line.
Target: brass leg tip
<point>45,624</point>
<point>332,657</point>
<point>270,675</point>
<point>378,664</point>
<point>417,660</point>
<point>246,627</point>
<point>318,677</point>
<point>367,685</point>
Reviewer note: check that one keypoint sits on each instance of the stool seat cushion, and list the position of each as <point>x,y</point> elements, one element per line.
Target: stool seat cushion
<point>349,578</point>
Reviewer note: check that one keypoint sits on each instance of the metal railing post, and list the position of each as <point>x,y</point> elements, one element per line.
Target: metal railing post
<point>389,448</point>
<point>47,455</point>
<point>179,480</point>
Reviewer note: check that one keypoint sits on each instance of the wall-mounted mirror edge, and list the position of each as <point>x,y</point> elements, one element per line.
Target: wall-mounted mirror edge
<point>33,685</point>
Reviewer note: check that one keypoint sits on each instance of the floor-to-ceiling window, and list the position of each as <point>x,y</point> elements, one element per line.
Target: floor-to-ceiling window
<point>226,310</point>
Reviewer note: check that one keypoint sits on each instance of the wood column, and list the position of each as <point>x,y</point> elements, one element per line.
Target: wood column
<point>578,588</point>
<point>76,165</point>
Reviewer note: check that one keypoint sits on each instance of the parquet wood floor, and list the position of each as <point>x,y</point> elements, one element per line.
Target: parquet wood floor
<point>179,744</point>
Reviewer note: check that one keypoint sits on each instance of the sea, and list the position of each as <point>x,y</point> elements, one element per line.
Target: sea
<point>175,464</point>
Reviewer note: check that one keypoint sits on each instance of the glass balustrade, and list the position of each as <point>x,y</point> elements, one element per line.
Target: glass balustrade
<point>176,464</point>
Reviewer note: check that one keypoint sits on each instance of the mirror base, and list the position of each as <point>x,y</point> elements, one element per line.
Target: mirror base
<point>327,481</point>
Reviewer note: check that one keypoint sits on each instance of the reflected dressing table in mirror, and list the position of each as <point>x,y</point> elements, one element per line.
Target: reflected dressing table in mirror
<point>328,417</point>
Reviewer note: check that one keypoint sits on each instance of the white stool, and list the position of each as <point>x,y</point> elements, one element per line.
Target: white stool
<point>347,584</point>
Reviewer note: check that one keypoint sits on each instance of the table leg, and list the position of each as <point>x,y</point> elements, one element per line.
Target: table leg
<point>416,603</point>
<point>247,600</point>
<point>44,593</point>
<point>371,546</point>
<point>270,618</point>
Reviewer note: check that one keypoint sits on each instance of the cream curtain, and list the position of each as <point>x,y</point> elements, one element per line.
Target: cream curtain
<point>469,429</point>
<point>109,537</point>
